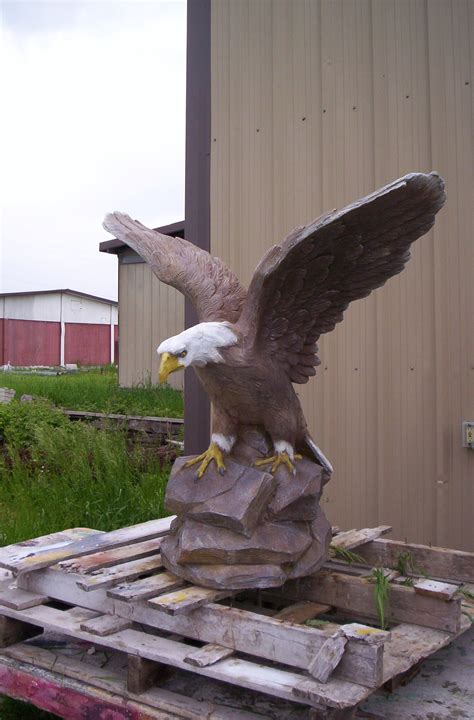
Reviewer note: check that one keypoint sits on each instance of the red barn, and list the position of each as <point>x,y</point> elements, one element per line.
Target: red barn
<point>55,327</point>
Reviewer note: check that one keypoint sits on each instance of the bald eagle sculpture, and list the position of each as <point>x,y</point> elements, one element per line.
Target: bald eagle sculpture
<point>250,346</point>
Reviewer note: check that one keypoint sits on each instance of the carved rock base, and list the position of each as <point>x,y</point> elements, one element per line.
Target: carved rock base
<point>247,528</point>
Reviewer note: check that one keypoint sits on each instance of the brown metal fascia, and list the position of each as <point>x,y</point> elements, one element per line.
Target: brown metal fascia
<point>197,413</point>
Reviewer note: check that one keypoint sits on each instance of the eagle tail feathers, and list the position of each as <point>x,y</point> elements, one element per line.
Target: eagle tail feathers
<point>319,455</point>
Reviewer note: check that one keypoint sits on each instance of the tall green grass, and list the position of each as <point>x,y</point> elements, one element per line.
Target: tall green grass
<point>98,391</point>
<point>55,474</point>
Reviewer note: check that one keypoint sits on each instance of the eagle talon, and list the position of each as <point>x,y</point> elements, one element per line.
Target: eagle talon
<point>281,458</point>
<point>212,453</point>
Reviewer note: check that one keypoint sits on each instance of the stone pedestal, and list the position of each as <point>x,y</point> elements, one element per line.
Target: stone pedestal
<point>247,528</point>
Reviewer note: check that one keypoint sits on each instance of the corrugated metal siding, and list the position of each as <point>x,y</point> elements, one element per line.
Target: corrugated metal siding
<point>149,312</point>
<point>87,343</point>
<point>315,103</point>
<point>2,341</point>
<point>31,342</point>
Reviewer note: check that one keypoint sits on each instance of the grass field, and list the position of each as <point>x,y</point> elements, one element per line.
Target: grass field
<point>97,391</point>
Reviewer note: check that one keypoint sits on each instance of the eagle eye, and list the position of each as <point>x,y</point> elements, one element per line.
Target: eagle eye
<point>183,353</point>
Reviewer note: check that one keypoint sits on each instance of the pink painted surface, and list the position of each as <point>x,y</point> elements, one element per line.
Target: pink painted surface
<point>2,328</point>
<point>67,702</point>
<point>31,342</point>
<point>87,344</point>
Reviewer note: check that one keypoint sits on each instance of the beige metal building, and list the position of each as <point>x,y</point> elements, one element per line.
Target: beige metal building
<point>312,104</point>
<point>149,312</point>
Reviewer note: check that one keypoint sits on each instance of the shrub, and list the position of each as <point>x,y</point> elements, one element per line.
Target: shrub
<point>57,474</point>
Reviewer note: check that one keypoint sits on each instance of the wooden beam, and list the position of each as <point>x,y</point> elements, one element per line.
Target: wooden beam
<point>436,562</point>
<point>356,594</point>
<point>252,675</point>
<point>235,629</point>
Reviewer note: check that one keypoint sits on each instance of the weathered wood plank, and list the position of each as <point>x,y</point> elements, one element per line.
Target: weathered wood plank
<point>439,563</point>
<point>136,422</point>
<point>365,634</point>
<point>412,643</point>
<point>125,571</point>
<point>442,590</point>
<point>328,658</point>
<point>353,538</point>
<point>188,599</point>
<point>146,588</point>
<point>293,645</point>
<point>53,541</point>
<point>108,558</point>
<point>105,625</point>
<point>207,655</point>
<point>21,599</point>
<point>301,611</point>
<point>19,563</point>
<point>356,594</point>
<point>243,673</point>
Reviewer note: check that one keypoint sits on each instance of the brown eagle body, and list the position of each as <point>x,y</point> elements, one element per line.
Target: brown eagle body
<point>245,392</point>
<point>250,346</point>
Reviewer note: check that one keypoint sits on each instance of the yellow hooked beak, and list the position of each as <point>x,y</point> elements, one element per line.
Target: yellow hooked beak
<point>168,364</point>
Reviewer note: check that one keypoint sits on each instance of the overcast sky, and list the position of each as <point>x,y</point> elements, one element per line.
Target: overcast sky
<point>93,120</point>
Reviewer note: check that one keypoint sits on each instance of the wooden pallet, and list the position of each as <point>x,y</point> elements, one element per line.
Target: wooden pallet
<point>117,595</point>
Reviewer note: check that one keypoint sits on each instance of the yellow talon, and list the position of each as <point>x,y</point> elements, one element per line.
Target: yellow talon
<point>213,452</point>
<point>281,458</point>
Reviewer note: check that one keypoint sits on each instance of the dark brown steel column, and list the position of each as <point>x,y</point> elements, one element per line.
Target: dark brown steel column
<point>197,413</point>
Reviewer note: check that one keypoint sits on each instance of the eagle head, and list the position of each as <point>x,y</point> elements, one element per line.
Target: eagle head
<point>198,345</point>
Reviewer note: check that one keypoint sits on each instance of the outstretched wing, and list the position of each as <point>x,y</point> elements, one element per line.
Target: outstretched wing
<point>302,287</point>
<point>206,281</point>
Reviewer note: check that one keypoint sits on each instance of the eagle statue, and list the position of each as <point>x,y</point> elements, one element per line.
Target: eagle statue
<point>250,346</point>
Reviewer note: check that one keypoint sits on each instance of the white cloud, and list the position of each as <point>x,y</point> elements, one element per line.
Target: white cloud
<point>95,121</point>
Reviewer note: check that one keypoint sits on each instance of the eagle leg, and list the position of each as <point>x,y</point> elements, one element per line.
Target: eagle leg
<point>280,458</point>
<point>213,452</point>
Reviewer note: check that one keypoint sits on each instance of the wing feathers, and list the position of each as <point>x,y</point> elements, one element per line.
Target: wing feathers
<point>206,281</point>
<point>302,287</point>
